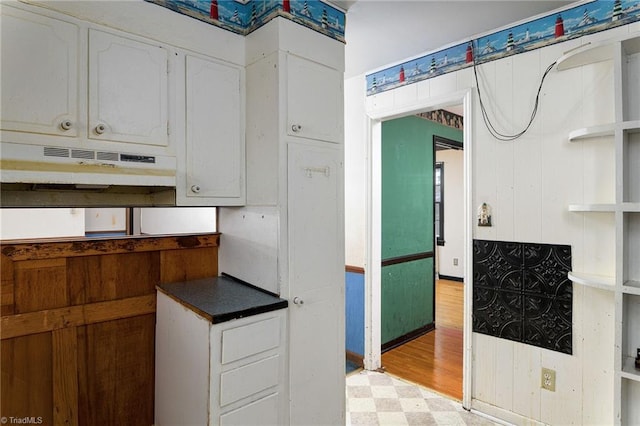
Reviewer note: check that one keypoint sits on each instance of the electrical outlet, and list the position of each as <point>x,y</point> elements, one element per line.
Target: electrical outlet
<point>548,379</point>
<point>455,261</point>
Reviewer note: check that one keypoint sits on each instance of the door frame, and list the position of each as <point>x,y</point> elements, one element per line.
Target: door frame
<point>373,230</point>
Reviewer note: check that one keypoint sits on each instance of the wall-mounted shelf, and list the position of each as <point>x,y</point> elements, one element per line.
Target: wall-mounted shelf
<point>606,208</point>
<point>624,54</point>
<point>590,280</point>
<point>630,207</point>
<point>631,287</point>
<point>631,126</point>
<point>629,370</point>
<point>609,129</point>
<point>592,132</point>
<point>592,53</point>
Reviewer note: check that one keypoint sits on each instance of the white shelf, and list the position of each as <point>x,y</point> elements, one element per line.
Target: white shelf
<point>629,370</point>
<point>592,132</point>
<point>630,207</point>
<point>609,129</point>
<point>590,280</point>
<point>597,52</point>
<point>631,126</point>
<point>631,287</point>
<point>623,53</point>
<point>607,208</point>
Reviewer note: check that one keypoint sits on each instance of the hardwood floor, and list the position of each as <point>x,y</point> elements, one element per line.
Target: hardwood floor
<point>434,360</point>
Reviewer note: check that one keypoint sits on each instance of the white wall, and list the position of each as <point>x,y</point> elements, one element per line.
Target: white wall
<point>453,247</point>
<point>177,220</point>
<point>529,183</point>
<point>41,223</point>
<point>355,172</point>
<point>105,219</point>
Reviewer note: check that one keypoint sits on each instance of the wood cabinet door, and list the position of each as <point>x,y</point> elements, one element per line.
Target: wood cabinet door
<point>314,100</point>
<point>316,284</point>
<point>214,138</point>
<point>128,90</point>
<point>39,74</point>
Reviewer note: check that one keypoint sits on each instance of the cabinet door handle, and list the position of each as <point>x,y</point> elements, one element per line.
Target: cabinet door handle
<point>195,188</point>
<point>100,128</point>
<point>296,128</point>
<point>298,301</point>
<point>66,125</point>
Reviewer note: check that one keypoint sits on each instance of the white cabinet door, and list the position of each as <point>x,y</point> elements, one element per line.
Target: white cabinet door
<point>127,90</point>
<point>314,100</point>
<point>316,277</point>
<point>39,74</point>
<point>215,148</point>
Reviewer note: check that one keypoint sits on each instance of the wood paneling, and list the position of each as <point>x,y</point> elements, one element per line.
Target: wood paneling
<point>54,319</point>
<point>7,299</point>
<point>111,368</point>
<point>27,377</point>
<point>183,265</point>
<point>78,324</point>
<point>40,284</point>
<point>65,384</point>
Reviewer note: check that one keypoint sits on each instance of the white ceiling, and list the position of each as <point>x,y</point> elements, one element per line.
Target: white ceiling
<point>382,32</point>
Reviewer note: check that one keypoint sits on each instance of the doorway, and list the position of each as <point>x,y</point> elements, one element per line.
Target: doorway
<point>373,277</point>
<point>434,359</point>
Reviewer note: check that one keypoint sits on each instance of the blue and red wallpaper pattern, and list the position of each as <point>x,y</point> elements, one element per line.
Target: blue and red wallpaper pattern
<point>597,15</point>
<point>245,16</point>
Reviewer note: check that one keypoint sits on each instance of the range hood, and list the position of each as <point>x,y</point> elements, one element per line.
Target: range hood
<point>36,175</point>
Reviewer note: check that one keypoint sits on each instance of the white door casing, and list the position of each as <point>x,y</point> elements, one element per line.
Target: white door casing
<point>372,358</point>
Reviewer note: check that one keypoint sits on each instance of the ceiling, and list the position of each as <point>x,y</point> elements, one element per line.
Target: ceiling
<point>382,32</point>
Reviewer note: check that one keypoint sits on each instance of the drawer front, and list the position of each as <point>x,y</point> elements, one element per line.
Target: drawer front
<point>249,380</point>
<point>241,342</point>
<point>261,412</point>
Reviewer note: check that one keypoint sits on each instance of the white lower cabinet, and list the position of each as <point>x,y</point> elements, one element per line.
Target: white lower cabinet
<point>231,373</point>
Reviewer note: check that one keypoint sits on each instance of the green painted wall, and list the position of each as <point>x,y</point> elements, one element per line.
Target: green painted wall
<point>407,298</point>
<point>407,222</point>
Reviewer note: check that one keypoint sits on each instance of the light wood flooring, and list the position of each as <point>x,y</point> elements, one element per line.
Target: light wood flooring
<point>434,360</point>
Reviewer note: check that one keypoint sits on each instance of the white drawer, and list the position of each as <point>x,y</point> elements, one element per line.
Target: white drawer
<point>261,412</point>
<point>249,380</point>
<point>251,339</point>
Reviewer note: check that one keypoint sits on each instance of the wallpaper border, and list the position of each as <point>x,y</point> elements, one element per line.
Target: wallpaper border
<point>556,27</point>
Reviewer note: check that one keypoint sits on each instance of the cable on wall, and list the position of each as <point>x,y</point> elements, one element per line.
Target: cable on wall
<point>485,116</point>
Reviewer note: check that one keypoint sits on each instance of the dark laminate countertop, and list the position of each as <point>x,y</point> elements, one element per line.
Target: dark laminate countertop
<point>222,298</point>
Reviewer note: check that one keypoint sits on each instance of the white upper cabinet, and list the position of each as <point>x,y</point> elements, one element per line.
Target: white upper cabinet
<point>128,87</point>
<point>39,74</point>
<point>314,100</point>
<point>78,94</point>
<point>214,137</point>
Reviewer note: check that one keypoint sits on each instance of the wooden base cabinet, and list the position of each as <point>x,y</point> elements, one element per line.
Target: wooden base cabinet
<point>232,373</point>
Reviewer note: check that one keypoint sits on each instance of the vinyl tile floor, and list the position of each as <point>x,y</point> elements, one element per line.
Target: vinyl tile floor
<point>375,398</point>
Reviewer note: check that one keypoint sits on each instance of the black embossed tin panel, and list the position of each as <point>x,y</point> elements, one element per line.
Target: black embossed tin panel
<point>521,292</point>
